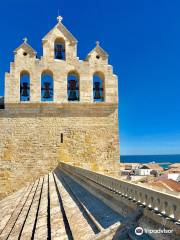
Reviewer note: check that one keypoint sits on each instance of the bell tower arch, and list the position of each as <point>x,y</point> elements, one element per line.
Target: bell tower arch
<point>59,43</point>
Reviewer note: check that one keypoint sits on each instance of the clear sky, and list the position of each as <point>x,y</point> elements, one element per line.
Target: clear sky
<point>143,40</point>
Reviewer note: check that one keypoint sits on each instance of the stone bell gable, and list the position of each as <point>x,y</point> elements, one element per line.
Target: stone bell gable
<point>59,34</point>
<point>60,60</point>
<point>57,108</point>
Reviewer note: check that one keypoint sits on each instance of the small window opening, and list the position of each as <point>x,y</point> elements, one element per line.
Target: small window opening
<point>25,53</point>
<point>98,57</point>
<point>62,138</point>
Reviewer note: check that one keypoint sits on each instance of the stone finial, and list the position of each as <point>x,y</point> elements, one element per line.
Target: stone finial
<point>25,40</point>
<point>97,43</point>
<point>59,19</point>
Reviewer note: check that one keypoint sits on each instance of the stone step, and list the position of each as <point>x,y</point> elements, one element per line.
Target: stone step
<point>79,225</point>
<point>31,217</point>
<point>11,222</point>
<point>19,224</point>
<point>9,207</point>
<point>54,207</point>
<point>41,230</point>
<point>10,199</point>
<point>57,226</point>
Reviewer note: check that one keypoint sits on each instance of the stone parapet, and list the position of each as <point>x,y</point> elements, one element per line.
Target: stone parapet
<point>159,206</point>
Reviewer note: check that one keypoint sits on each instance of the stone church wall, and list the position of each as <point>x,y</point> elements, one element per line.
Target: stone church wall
<point>34,137</point>
<point>37,133</point>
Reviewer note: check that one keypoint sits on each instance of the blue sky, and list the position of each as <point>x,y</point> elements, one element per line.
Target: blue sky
<point>143,40</point>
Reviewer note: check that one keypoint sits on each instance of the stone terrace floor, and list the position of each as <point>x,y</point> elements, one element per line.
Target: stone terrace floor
<point>56,207</point>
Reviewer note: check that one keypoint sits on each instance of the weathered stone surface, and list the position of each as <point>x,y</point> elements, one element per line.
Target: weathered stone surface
<point>72,210</point>
<point>49,209</point>
<point>31,146</point>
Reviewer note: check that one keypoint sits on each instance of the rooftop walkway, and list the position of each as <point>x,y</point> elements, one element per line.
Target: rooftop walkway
<point>56,207</point>
<point>65,205</point>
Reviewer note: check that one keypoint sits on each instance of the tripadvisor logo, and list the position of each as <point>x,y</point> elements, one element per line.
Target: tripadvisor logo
<point>139,231</point>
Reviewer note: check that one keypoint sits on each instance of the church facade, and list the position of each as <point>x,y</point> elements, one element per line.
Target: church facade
<point>57,108</point>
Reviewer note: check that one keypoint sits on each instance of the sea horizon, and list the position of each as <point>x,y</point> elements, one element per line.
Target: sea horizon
<point>150,154</point>
<point>162,160</point>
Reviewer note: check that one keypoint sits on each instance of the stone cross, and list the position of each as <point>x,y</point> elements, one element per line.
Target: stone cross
<point>25,40</point>
<point>97,43</point>
<point>59,19</point>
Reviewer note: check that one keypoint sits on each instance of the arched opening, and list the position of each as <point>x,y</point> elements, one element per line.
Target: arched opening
<point>98,87</point>
<point>47,87</point>
<point>73,86</point>
<point>59,49</point>
<point>24,86</point>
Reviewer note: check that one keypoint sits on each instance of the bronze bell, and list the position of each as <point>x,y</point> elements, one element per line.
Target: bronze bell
<point>97,94</point>
<point>24,89</point>
<point>46,90</point>
<point>59,51</point>
<point>72,91</point>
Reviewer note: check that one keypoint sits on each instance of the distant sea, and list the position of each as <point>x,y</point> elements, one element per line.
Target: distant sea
<point>163,160</point>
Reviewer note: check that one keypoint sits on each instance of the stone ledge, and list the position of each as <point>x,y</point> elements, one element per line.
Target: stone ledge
<point>63,109</point>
